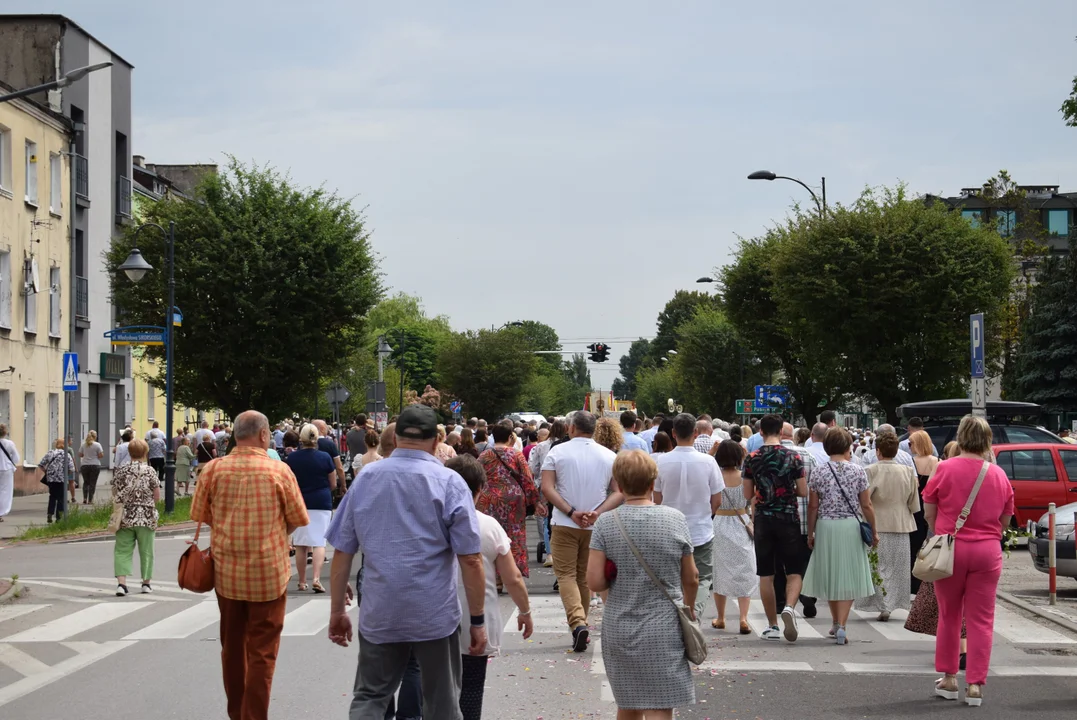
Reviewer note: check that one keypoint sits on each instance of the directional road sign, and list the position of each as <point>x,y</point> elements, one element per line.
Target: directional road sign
<point>979,397</point>
<point>976,344</point>
<point>337,395</point>
<point>71,372</point>
<point>750,407</point>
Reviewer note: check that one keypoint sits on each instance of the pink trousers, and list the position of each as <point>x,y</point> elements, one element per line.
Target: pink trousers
<point>970,591</point>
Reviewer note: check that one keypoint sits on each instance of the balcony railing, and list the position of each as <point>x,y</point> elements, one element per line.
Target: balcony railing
<point>123,196</point>
<point>82,298</point>
<point>82,176</point>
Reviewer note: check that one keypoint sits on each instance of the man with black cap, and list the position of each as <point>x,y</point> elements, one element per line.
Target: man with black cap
<point>412,517</point>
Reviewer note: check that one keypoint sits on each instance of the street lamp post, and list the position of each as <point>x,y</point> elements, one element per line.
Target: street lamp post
<point>61,82</point>
<point>384,351</point>
<point>768,175</point>
<point>136,267</point>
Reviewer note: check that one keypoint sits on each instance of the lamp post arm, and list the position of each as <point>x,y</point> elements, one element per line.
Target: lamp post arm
<point>30,91</point>
<point>818,205</point>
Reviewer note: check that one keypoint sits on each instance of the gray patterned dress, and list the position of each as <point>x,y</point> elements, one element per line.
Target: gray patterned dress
<point>641,635</point>
<point>734,554</point>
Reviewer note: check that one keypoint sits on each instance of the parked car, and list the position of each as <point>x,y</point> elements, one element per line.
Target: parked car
<point>1065,547</point>
<point>1041,473</point>
<point>1011,422</point>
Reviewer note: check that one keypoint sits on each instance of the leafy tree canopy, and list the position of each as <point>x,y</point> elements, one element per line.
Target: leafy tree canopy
<point>677,311</point>
<point>1047,356</point>
<point>273,282</point>
<point>637,356</point>
<point>487,370</point>
<point>1069,106</point>
<point>711,367</point>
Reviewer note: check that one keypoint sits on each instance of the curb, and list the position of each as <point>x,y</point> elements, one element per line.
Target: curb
<point>169,531</point>
<point>16,589</point>
<point>1029,607</point>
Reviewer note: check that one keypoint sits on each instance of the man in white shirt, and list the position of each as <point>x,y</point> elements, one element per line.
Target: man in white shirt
<point>155,431</point>
<point>575,478</point>
<point>204,435</point>
<point>690,481</point>
<point>704,436</point>
<point>814,445</point>
<point>829,419</point>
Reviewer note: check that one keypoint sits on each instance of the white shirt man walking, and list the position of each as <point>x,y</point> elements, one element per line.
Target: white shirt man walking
<point>575,478</point>
<point>690,481</point>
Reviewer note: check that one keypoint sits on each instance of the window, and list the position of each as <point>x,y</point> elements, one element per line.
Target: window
<point>1005,222</point>
<point>5,289</point>
<point>5,161</point>
<point>1027,434</point>
<point>29,296</point>
<point>1069,461</point>
<point>54,418</point>
<point>5,407</point>
<point>973,216</point>
<point>1058,222</point>
<point>31,173</point>
<point>1032,465</point>
<point>149,402</point>
<point>1005,461</point>
<point>54,302</point>
<point>55,176</point>
<point>28,424</point>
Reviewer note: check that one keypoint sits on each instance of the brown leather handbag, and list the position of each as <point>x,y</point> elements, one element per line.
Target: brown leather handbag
<point>196,567</point>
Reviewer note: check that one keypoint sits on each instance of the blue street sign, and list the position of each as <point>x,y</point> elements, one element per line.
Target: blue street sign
<point>71,372</point>
<point>177,317</point>
<point>455,406</point>
<point>137,335</point>
<point>976,344</point>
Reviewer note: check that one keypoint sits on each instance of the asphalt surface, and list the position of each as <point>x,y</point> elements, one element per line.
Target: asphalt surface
<point>143,662</point>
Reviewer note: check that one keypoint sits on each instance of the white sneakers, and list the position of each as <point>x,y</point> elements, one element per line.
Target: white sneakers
<point>789,619</point>
<point>772,633</point>
<point>121,590</point>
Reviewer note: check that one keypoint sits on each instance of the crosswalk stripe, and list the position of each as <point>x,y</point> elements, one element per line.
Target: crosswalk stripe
<point>1051,670</point>
<point>1020,631</point>
<point>894,629</point>
<point>27,685</point>
<point>21,662</point>
<point>135,595</point>
<point>181,625</point>
<point>10,612</point>
<point>76,623</point>
<point>757,618</point>
<point>109,584</point>
<point>307,619</point>
<point>755,666</point>
<point>547,616</point>
<point>886,669</point>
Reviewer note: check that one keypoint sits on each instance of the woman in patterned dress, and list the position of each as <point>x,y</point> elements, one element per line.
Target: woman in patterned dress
<point>56,465</point>
<point>136,486</point>
<point>509,490</point>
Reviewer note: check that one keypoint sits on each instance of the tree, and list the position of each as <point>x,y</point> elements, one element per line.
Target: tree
<point>1046,362</point>
<point>654,388</point>
<point>677,311</point>
<point>541,337</point>
<point>273,282</point>
<point>885,288</point>
<point>486,370</point>
<point>1069,106</point>
<point>710,364</point>
<point>638,355</point>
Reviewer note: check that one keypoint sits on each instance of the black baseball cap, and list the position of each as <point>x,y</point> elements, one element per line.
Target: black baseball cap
<point>417,422</point>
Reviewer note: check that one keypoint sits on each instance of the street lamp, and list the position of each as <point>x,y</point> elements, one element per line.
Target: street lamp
<point>62,82</point>
<point>768,175</point>
<point>136,267</point>
<point>384,351</point>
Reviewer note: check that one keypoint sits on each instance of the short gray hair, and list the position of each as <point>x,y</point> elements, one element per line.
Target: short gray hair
<point>704,427</point>
<point>885,427</point>
<point>249,424</point>
<point>584,422</point>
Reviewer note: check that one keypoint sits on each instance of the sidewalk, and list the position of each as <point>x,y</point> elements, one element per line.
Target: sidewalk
<point>32,509</point>
<point>1022,580</point>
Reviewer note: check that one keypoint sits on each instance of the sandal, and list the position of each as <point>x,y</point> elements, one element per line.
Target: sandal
<point>745,628</point>
<point>946,687</point>
<point>718,624</point>
<point>317,587</point>
<point>302,587</point>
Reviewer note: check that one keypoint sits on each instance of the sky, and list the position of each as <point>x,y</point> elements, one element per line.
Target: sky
<point>578,163</point>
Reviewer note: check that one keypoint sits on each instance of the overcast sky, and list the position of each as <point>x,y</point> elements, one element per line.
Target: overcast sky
<point>577,163</point>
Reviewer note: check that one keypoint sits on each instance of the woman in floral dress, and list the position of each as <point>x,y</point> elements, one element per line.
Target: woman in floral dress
<point>510,489</point>
<point>136,486</point>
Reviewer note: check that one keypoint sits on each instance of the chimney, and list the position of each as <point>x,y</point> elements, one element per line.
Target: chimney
<point>139,160</point>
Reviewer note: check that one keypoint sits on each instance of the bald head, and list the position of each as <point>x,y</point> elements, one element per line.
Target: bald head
<point>251,429</point>
<point>323,429</point>
<point>704,427</point>
<point>818,432</point>
<point>787,431</point>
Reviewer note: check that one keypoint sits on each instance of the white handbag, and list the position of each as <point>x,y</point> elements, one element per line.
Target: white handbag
<point>935,560</point>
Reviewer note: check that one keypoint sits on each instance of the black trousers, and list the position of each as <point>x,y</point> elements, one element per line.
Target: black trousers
<point>472,686</point>
<point>158,464</point>
<point>780,584</point>
<point>89,481</point>
<point>56,499</point>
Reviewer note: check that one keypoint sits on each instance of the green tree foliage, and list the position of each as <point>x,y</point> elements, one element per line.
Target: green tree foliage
<point>540,336</point>
<point>885,287</point>
<point>708,366</point>
<point>487,370</point>
<point>273,281</point>
<point>638,355</point>
<point>1047,357</point>
<point>654,388</point>
<point>1069,106</point>
<point>681,307</point>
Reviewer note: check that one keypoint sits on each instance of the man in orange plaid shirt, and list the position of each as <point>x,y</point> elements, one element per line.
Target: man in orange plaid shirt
<point>247,499</point>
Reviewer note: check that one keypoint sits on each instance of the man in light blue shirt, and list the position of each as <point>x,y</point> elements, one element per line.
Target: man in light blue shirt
<point>755,441</point>
<point>648,435</point>
<point>414,520</point>
<point>632,440</point>
<point>915,425</point>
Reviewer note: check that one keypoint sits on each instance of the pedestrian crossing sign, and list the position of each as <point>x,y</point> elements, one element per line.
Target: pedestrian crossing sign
<point>71,372</point>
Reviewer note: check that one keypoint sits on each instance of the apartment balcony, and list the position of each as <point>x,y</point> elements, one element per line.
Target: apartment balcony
<point>123,199</point>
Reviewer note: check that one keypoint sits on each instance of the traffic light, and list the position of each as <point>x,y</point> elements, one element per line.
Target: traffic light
<point>600,352</point>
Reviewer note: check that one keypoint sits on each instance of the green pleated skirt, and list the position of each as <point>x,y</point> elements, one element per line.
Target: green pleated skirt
<point>839,568</point>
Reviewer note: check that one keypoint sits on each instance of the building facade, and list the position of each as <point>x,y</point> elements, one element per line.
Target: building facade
<point>35,256</point>
<point>35,49</point>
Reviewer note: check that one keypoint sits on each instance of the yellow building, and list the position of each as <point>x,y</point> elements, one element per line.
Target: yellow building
<point>35,278</point>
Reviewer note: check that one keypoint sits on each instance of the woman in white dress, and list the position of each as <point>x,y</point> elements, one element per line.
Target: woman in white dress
<point>734,556</point>
<point>9,460</point>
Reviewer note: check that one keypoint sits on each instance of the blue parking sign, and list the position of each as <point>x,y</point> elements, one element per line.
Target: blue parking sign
<point>976,344</point>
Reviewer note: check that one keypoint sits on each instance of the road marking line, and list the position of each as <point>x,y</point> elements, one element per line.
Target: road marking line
<point>894,629</point>
<point>755,666</point>
<point>183,624</point>
<point>1020,631</point>
<point>135,595</point>
<point>1051,670</point>
<point>885,669</point>
<point>10,612</point>
<point>28,685</point>
<point>110,584</point>
<point>76,623</point>
<point>21,662</point>
<point>547,616</point>
<point>307,619</point>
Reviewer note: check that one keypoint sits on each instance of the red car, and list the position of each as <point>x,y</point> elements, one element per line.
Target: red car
<point>1041,473</point>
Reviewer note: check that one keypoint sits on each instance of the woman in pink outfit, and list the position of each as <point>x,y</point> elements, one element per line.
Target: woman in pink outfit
<point>977,556</point>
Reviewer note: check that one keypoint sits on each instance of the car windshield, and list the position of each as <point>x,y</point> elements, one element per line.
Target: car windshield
<point>1027,434</point>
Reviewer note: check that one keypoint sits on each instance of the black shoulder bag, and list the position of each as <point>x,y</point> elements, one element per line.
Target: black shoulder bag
<point>867,534</point>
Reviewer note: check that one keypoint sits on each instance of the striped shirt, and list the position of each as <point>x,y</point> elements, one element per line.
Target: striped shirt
<point>809,464</point>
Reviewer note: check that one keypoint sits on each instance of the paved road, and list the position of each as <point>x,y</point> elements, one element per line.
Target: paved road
<point>72,645</point>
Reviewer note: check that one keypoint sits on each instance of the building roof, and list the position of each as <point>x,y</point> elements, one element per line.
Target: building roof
<point>58,117</point>
<point>42,17</point>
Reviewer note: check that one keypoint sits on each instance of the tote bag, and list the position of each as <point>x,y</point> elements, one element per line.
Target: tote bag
<point>935,560</point>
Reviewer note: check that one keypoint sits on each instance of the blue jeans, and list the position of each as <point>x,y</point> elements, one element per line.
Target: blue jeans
<point>411,695</point>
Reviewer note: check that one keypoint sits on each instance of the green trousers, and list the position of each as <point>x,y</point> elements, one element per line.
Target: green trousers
<point>125,551</point>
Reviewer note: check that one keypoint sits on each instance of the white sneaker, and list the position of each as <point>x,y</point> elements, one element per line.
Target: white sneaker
<point>772,633</point>
<point>146,589</point>
<point>594,602</point>
<point>789,619</point>
<point>121,590</point>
